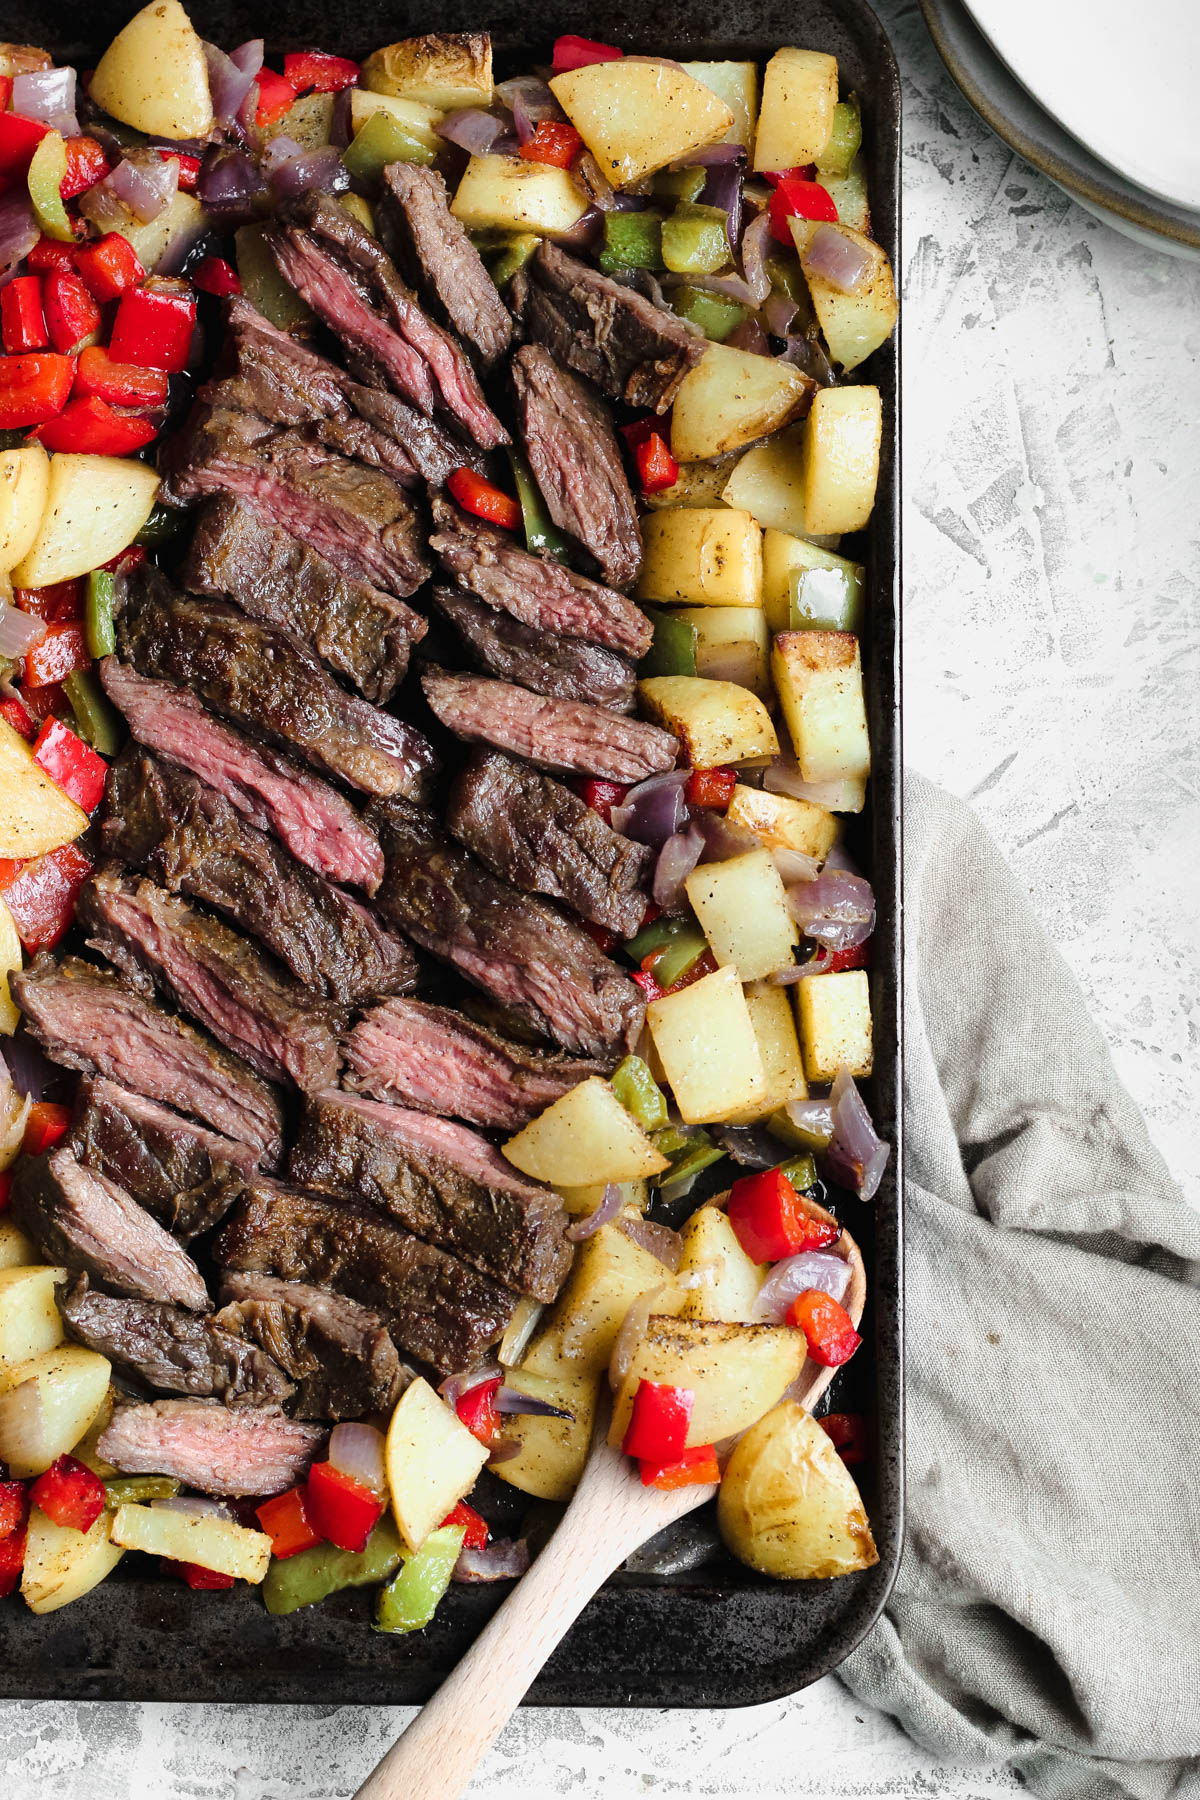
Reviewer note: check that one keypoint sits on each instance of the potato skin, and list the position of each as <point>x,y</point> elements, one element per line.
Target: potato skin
<point>787,1504</point>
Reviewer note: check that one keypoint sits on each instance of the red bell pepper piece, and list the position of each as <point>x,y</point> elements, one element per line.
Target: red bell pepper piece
<point>477,1410</point>
<point>794,197</point>
<point>475,1532</point>
<point>69,1494</point>
<point>827,1325</point>
<point>86,165</point>
<point>92,427</point>
<point>286,1522</point>
<point>656,467</point>
<point>72,316</point>
<point>484,498</point>
<point>120,384</point>
<point>197,1576</point>
<point>275,97</point>
<point>49,253</point>
<point>17,714</point>
<point>858,956</point>
<point>6,82</point>
<point>849,1434</point>
<point>601,796</point>
<point>109,266</point>
<point>19,138</point>
<point>61,651</point>
<point>711,787</point>
<point>47,1124</point>
<point>648,985</point>
<point>62,600</point>
<point>802,172</point>
<point>22,321</point>
<point>14,1507</point>
<point>6,1181</point>
<point>189,168</point>
<point>341,1509</point>
<point>601,936</point>
<point>49,701</point>
<point>705,964</point>
<point>153,329</point>
<point>33,388</point>
<point>12,1548</point>
<point>695,1468</point>
<point>571,52</point>
<point>41,895</point>
<point>657,1429</point>
<point>71,764</point>
<point>769,1220</point>
<point>316,70</point>
<point>216,276</point>
<point>554,142</point>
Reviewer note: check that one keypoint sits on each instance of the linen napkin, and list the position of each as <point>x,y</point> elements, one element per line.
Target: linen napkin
<point>1047,1612</point>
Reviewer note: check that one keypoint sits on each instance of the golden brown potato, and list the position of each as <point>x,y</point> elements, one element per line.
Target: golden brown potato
<point>842,435</point>
<point>637,117</point>
<point>586,1135</point>
<point>779,1046</point>
<point>95,506</point>
<point>24,485</point>
<point>62,1564</point>
<point>552,1451</point>
<point>432,1460</point>
<point>742,907</point>
<point>710,1246</point>
<point>153,75</point>
<point>715,721</point>
<point>834,1015</point>
<point>732,397</point>
<point>737,1372</point>
<point>784,822</point>
<point>705,1041</point>
<point>506,193</point>
<point>853,324</point>
<point>800,90</point>
<point>708,556</point>
<point>35,814</point>
<point>787,1504</point>
<point>609,1272</point>
<point>818,677</point>
<point>444,69</point>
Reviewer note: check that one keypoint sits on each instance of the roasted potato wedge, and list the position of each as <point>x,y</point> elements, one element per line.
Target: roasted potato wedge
<point>743,912</point>
<point>705,555</point>
<point>716,721</point>
<point>24,486</point>
<point>818,677</point>
<point>218,1544</point>
<point>732,397</point>
<point>787,1504</point>
<point>710,1245</point>
<point>736,83</point>
<point>95,507</point>
<point>835,1023</point>
<point>29,1319</point>
<point>587,1135</point>
<point>552,1451</point>
<point>853,324</point>
<point>779,1046</point>
<point>842,437</point>
<point>737,1372</point>
<point>47,1403</point>
<point>62,1564</point>
<point>704,1039</point>
<point>795,118</point>
<point>35,814</point>
<point>444,69</point>
<point>508,194</point>
<point>153,75</point>
<point>609,1273</point>
<point>784,822</point>
<point>637,117</point>
<point>431,1459</point>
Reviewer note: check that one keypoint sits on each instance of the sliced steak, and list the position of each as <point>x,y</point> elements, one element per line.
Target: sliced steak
<point>634,351</point>
<point>191,841</point>
<point>185,1174</point>
<point>337,1352</point>
<point>534,589</point>
<point>438,1309</point>
<point>433,251</point>
<point>412,1054</point>
<point>253,1450</point>
<point>359,518</point>
<point>354,628</point>
<point>175,1351</point>
<point>573,452</point>
<point>569,668</point>
<point>87,1223</point>
<point>555,734</point>
<point>265,681</point>
<point>540,836</point>
<point>522,952</point>
<point>214,975</point>
<point>89,1019</point>
<point>317,823</point>
<point>440,1181</point>
<point>345,275</point>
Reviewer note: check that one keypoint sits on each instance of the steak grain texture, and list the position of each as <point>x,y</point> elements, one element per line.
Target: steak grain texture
<point>338,1353</point>
<point>546,662</point>
<point>219,1450</point>
<point>432,250</point>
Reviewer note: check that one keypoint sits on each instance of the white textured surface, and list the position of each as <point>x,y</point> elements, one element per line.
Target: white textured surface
<point>1052,663</point>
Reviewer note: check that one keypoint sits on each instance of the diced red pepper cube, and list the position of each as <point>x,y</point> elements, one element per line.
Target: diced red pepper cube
<point>71,764</point>
<point>315,70</point>
<point>19,138</point>
<point>645,980</point>
<point>33,388</point>
<point>477,1410</point>
<point>22,320</point>
<point>601,796</point>
<point>571,52</point>
<point>41,895</point>
<point>109,266</point>
<point>857,956</point>
<point>62,651</point>
<point>69,1493</point>
<point>6,82</point>
<point>49,253</point>
<point>826,1325</point>
<point>6,1181</point>
<point>153,329</point>
<point>711,787</point>
<point>475,1533</point>
<point>801,171</point>
<point>849,1434</point>
<point>17,714</point>
<point>554,142</point>
<point>12,1548</point>
<point>14,1506</point>
<point>286,1522</point>
<point>189,168</point>
<point>796,198</point>
<point>119,384</point>
<point>214,275</point>
<point>47,1124</point>
<point>90,427</point>
<point>86,164</point>
<point>769,1219</point>
<point>341,1509</point>
<point>658,1424</point>
<point>72,315</point>
<point>197,1576</point>
<point>695,1468</point>
<point>483,498</point>
<point>276,97</point>
<point>657,468</point>
<point>58,603</point>
<point>47,701</point>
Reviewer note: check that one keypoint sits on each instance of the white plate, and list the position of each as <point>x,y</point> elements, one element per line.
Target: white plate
<point>1123,79</point>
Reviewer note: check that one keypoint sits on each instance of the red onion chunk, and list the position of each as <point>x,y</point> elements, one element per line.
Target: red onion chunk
<point>791,973</point>
<point>723,837</point>
<point>837,259</point>
<point>659,1240</point>
<point>19,631</point>
<point>533,96</point>
<point>751,337</point>
<point>144,182</point>
<point>32,1072</point>
<point>313,171</point>
<point>633,1329</point>
<point>813,1117</point>
<point>455,1386</point>
<point>196,1506</point>
<point>504,1451</point>
<point>47,95</point>
<point>794,1276</point>
<point>805,354</point>
<point>478,132</point>
<point>356,1450</point>
<point>654,810</point>
<point>676,860</point>
<point>280,150</point>
<point>750,1146</point>
<point>723,189</point>
<point>230,181</point>
<point>714,154</point>
<point>837,908</point>
<point>18,231</point>
<point>756,241</point>
<point>611,1202</point>
<point>505,1560</point>
<point>729,287</point>
<point>228,83</point>
<point>586,233</point>
<point>248,57</point>
<point>857,1155</point>
<point>512,1400</point>
<point>794,865</point>
<point>778,313</point>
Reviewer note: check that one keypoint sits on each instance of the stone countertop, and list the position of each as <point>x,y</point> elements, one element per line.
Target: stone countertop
<point>1051,676</point>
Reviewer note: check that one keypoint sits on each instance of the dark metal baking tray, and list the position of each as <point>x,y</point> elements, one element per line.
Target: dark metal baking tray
<point>721,1635</point>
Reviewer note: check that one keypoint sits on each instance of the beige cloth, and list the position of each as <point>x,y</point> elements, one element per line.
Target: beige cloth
<point>1047,1612</point>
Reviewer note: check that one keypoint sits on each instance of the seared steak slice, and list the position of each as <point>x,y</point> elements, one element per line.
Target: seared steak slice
<point>359,518</point>
<point>522,952</point>
<point>191,841</point>
<point>88,1018</point>
<point>569,668</point>
<point>185,1174</point>
<point>264,680</point>
<point>253,1450</point>
<point>634,351</point>
<point>433,251</point>
<point>540,836</point>
<point>534,589</point>
<point>172,1350</point>
<point>345,275</point>
<point>438,1309</point>
<point>413,1054</point>
<point>86,1222</point>
<point>337,1352</point>
<point>555,734</point>
<point>573,452</point>
<point>318,825</point>
<point>354,628</point>
<point>439,1180</point>
<point>432,449</point>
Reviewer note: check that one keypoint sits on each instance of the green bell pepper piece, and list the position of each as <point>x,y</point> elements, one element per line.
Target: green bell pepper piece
<point>46,171</point>
<point>381,140</point>
<point>849,194</point>
<point>801,1171</point>
<point>134,1490</point>
<point>673,651</point>
<point>639,1093</point>
<point>654,936</point>
<point>410,1601</point>
<point>164,523</point>
<point>514,251</point>
<point>689,1151</point>
<point>826,599</point>
<point>314,1574</point>
<point>97,721</point>
<point>786,275</point>
<point>541,533</point>
<point>632,240</point>
<point>845,139</point>
<point>98,613</point>
<point>263,285</point>
<point>679,184</point>
<point>715,317</point>
<point>688,944</point>
<point>695,240</point>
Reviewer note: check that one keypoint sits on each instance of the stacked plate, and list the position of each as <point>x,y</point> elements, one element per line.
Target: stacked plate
<point>1099,96</point>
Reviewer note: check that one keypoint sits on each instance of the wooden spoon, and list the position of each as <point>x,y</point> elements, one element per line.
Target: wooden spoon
<point>611,1515</point>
